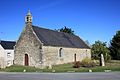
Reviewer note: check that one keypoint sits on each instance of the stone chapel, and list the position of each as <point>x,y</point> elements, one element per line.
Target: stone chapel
<point>40,47</point>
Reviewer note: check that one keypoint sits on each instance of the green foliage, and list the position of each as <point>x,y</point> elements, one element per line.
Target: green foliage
<point>87,62</point>
<point>66,30</point>
<point>17,68</point>
<point>100,48</point>
<point>115,46</point>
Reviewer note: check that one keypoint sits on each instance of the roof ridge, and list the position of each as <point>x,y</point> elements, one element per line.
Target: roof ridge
<point>8,44</point>
<point>55,31</point>
<point>6,41</point>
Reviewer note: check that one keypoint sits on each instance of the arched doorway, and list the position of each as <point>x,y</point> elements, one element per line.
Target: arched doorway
<point>26,60</point>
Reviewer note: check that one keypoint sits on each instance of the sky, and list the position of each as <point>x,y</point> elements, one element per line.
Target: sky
<point>91,20</point>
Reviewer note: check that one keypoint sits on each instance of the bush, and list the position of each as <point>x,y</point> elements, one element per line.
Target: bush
<point>87,62</point>
<point>99,48</point>
<point>76,64</point>
<point>108,58</point>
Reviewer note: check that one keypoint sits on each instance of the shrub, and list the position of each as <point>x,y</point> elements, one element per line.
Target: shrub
<point>87,62</point>
<point>108,58</point>
<point>99,48</point>
<point>76,64</point>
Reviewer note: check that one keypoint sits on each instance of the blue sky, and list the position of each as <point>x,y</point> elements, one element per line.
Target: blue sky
<point>90,19</point>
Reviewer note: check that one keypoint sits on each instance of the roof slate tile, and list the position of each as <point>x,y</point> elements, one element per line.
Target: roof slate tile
<point>53,38</point>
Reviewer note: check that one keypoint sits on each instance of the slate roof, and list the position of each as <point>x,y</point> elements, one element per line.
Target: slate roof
<point>53,38</point>
<point>8,44</point>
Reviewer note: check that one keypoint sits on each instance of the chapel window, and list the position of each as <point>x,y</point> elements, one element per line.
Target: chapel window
<point>8,55</point>
<point>61,52</point>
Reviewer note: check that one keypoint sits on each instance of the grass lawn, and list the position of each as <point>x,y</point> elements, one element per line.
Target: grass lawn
<point>112,65</point>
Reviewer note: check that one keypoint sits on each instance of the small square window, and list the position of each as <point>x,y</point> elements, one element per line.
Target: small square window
<point>8,55</point>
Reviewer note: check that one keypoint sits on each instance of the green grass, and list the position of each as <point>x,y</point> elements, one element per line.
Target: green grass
<point>112,65</point>
<point>16,68</point>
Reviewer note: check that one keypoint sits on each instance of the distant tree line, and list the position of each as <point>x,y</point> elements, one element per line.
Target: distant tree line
<point>110,52</point>
<point>115,46</point>
<point>66,30</point>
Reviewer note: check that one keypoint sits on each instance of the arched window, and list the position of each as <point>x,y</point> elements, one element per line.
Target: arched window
<point>61,52</point>
<point>74,57</point>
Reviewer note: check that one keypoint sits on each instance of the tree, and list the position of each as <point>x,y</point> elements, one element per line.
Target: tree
<point>100,48</point>
<point>66,30</point>
<point>115,46</point>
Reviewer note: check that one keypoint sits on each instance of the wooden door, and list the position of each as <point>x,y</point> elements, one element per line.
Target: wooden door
<point>26,60</point>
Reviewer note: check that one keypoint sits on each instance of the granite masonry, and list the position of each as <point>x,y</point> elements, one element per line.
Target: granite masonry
<point>40,47</point>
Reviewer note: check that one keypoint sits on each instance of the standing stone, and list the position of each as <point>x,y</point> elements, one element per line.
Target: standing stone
<point>102,62</point>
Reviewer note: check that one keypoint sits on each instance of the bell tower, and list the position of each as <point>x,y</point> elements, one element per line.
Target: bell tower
<point>28,18</point>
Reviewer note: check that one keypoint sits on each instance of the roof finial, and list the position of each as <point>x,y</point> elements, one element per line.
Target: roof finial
<point>29,13</point>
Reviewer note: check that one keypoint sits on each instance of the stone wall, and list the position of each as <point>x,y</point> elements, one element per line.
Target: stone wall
<point>41,56</point>
<point>28,44</point>
<point>52,57</point>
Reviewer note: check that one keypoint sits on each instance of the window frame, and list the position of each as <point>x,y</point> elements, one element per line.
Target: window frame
<point>8,54</point>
